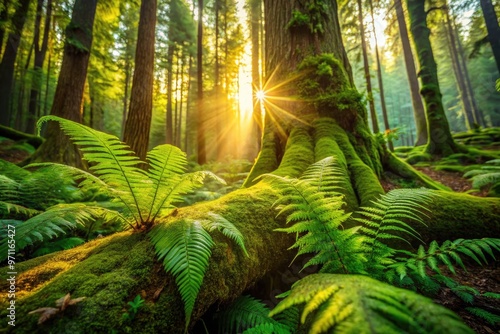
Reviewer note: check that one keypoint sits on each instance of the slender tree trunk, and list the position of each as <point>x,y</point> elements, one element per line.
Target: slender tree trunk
<point>40,52</point>
<point>181,102</point>
<point>418,106</point>
<point>126,91</point>
<point>256,134</point>
<point>176,100</point>
<point>68,97</point>
<point>9,59</point>
<point>217,94</point>
<point>4,16</point>
<point>188,105</point>
<point>138,124</point>
<point>200,115</point>
<point>366,66</point>
<point>490,17</point>
<point>478,115</point>
<point>380,80</point>
<point>19,111</point>
<point>170,60</point>
<point>440,141</point>
<point>470,121</point>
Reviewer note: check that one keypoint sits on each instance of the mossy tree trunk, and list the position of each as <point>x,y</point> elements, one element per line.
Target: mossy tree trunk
<point>439,142</point>
<point>332,122</point>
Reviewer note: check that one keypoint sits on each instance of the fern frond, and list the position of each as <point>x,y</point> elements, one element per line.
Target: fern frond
<point>185,248</point>
<point>326,175</point>
<point>244,313</point>
<point>227,228</point>
<point>482,180</point>
<point>475,249</point>
<point>267,328</point>
<point>491,318</point>
<point>358,304</point>
<point>12,171</point>
<point>111,160</point>
<point>86,181</point>
<point>9,190</point>
<point>54,222</point>
<point>6,207</point>
<point>62,244</point>
<point>179,186</point>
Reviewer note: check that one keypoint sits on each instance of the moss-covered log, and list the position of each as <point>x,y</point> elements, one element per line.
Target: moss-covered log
<point>15,135</point>
<point>111,271</point>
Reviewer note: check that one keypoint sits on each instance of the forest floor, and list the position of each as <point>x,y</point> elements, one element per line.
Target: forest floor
<point>483,279</point>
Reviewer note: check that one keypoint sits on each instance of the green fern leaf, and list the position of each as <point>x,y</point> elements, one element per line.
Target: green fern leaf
<point>185,248</point>
<point>358,304</point>
<point>227,228</point>
<point>54,222</point>
<point>491,318</point>
<point>246,314</point>
<point>112,161</point>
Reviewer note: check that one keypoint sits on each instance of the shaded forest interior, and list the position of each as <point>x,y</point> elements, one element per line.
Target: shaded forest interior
<point>250,166</point>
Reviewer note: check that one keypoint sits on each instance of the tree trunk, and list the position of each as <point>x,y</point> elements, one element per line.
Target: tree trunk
<point>256,134</point>
<point>200,115</point>
<point>40,52</point>
<point>416,100</point>
<point>9,59</point>
<point>170,60</point>
<point>4,16</point>
<point>470,120</point>
<point>112,271</point>
<point>138,124</point>
<point>366,66</point>
<point>380,80</point>
<point>440,142</point>
<point>70,86</point>
<point>491,20</point>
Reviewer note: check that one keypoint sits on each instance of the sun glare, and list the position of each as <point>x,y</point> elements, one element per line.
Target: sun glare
<point>260,95</point>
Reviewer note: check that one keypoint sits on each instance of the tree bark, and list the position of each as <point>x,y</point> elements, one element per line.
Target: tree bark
<point>40,52</point>
<point>138,124</point>
<point>380,80</point>
<point>9,59</point>
<point>366,66</point>
<point>70,86</point>
<point>200,115</point>
<point>440,142</point>
<point>170,60</point>
<point>491,20</point>
<point>4,16</point>
<point>416,100</point>
<point>256,135</point>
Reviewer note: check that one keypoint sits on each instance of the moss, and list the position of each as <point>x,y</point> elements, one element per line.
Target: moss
<point>403,149</point>
<point>403,169</point>
<point>267,160</point>
<point>450,168</point>
<point>455,215</point>
<point>327,147</point>
<point>299,154</point>
<point>418,157</point>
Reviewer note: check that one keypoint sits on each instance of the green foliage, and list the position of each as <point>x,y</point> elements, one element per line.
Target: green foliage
<point>135,305</point>
<point>311,17</point>
<point>350,303</point>
<point>62,244</point>
<point>435,255</point>
<point>316,211</point>
<point>487,174</point>
<point>491,318</point>
<point>249,315</point>
<point>54,222</point>
<point>185,248</point>
<point>145,195</point>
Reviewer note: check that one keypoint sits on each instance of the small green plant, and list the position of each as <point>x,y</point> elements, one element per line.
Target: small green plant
<point>135,305</point>
<point>488,174</point>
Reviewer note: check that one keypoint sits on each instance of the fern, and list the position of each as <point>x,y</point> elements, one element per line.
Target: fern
<point>62,244</point>
<point>317,215</point>
<point>144,193</point>
<point>491,318</point>
<point>445,254</point>
<point>248,315</point>
<point>351,303</point>
<point>227,228</point>
<point>54,222</point>
<point>185,248</point>
<point>487,174</point>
